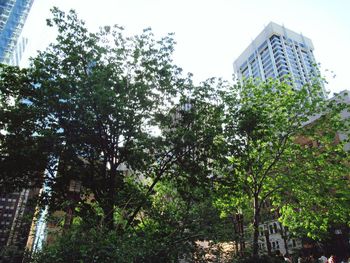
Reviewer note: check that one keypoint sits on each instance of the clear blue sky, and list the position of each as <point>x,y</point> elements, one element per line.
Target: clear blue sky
<point>212,34</point>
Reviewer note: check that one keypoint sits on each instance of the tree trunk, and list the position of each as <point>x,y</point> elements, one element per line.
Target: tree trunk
<point>268,243</point>
<point>256,225</point>
<point>109,202</point>
<point>108,220</point>
<point>239,232</point>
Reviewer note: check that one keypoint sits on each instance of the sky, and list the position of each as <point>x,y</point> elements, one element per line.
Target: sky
<point>211,34</point>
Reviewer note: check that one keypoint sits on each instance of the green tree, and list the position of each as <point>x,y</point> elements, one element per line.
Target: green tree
<point>321,201</point>
<point>18,129</point>
<point>171,224</point>
<point>176,210</point>
<point>99,94</point>
<point>98,101</point>
<point>270,128</point>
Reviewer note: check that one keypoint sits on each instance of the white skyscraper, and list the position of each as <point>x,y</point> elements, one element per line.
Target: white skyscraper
<point>278,52</point>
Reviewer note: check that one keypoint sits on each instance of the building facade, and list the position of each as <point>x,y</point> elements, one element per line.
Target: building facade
<point>278,53</point>
<point>16,214</point>
<point>13,14</point>
<point>273,236</point>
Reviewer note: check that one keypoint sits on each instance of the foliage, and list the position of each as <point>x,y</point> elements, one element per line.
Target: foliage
<point>168,229</point>
<point>94,98</point>
<point>19,142</point>
<point>97,100</point>
<point>150,152</point>
<point>322,201</point>
<point>260,259</point>
<point>284,151</point>
<point>101,93</point>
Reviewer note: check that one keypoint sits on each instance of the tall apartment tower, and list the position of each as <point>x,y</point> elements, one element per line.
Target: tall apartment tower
<point>13,14</point>
<point>16,216</point>
<point>278,52</point>
<point>15,213</point>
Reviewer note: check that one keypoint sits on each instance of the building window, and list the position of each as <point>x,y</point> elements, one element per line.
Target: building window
<point>275,227</point>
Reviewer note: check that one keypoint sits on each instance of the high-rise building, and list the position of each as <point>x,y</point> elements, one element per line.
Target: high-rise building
<point>278,53</point>
<point>13,14</point>
<point>15,211</point>
<point>15,220</point>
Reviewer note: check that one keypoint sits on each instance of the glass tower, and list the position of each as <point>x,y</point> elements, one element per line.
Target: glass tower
<point>13,14</point>
<point>14,229</point>
<point>278,53</point>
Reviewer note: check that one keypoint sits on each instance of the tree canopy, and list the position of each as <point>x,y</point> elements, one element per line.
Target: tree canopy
<point>285,151</point>
<point>140,158</point>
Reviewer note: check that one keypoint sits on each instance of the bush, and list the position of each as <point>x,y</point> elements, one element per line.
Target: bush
<point>261,259</point>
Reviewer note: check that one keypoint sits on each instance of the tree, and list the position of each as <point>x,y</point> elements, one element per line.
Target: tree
<point>23,155</point>
<point>322,201</point>
<point>176,206</point>
<point>84,108</point>
<point>115,116</point>
<point>99,94</point>
<point>269,126</point>
<point>98,99</point>
<point>168,229</point>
